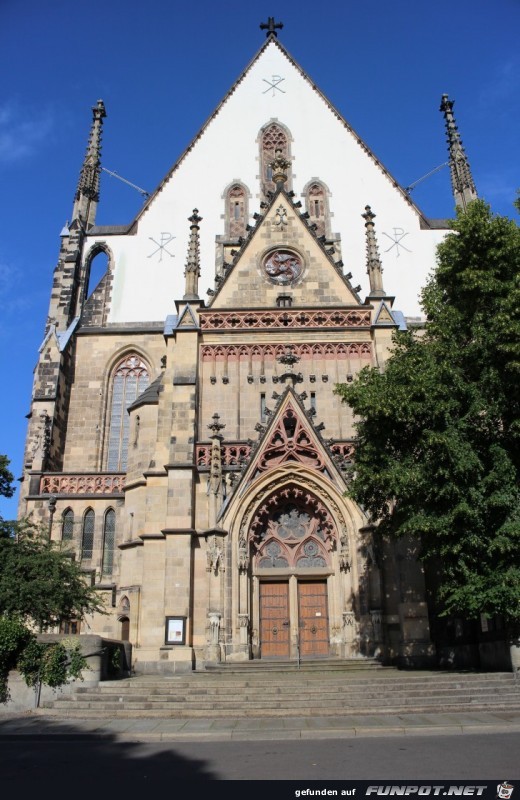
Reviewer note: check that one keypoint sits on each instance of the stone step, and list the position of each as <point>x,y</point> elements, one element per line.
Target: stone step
<point>292,693</point>
<point>263,694</point>
<point>307,665</point>
<point>325,701</point>
<point>295,691</point>
<point>305,704</point>
<point>197,713</point>
<point>389,680</point>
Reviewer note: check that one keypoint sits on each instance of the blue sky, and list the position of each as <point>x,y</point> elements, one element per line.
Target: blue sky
<point>161,67</point>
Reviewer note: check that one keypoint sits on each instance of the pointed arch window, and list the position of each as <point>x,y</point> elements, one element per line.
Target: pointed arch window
<point>274,137</point>
<point>292,531</point>
<point>236,211</point>
<point>67,525</point>
<point>109,538</point>
<point>317,207</point>
<point>130,379</point>
<point>87,535</point>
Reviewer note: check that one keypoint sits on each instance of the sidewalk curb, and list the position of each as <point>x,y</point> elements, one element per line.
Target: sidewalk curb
<point>266,735</point>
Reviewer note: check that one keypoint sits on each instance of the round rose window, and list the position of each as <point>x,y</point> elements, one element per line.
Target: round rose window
<point>283,267</point>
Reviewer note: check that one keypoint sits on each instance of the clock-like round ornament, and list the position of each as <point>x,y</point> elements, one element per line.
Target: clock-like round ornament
<point>283,267</point>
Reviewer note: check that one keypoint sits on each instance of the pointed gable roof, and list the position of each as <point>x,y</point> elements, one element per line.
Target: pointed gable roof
<point>294,233</point>
<point>290,438</point>
<point>272,41</point>
<point>186,319</point>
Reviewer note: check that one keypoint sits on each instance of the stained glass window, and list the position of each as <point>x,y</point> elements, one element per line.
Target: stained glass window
<point>67,525</point>
<point>109,535</point>
<point>87,538</point>
<point>129,381</point>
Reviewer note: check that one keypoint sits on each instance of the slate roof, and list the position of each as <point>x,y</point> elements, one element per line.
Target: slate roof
<point>150,396</point>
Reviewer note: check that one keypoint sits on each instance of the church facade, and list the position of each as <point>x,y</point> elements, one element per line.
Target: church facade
<point>192,452</point>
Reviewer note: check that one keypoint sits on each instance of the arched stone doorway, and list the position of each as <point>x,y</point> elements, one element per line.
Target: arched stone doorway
<point>292,537</point>
<point>298,564</point>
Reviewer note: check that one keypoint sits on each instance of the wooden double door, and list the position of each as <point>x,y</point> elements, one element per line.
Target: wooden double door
<point>310,617</point>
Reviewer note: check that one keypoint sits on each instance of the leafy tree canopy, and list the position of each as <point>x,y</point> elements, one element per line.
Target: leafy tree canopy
<point>39,582</point>
<point>40,585</point>
<point>6,478</point>
<point>438,453</point>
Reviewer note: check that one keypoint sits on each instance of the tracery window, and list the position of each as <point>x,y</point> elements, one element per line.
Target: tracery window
<point>293,533</point>
<point>317,207</point>
<point>67,525</point>
<point>87,535</point>
<point>236,211</point>
<point>273,138</point>
<point>130,379</point>
<point>109,536</point>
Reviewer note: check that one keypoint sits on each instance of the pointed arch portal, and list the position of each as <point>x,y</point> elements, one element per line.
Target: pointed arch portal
<point>293,534</point>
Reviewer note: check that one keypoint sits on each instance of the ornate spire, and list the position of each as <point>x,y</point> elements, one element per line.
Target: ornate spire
<point>374,267</point>
<point>271,27</point>
<point>462,185</point>
<point>87,193</point>
<point>192,271</point>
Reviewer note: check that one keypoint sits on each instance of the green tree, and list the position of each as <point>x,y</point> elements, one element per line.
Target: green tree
<point>6,478</point>
<point>40,582</point>
<point>438,453</point>
<point>51,663</point>
<point>40,585</point>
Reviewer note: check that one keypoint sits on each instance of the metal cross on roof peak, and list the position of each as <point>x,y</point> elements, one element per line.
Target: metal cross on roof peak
<point>271,26</point>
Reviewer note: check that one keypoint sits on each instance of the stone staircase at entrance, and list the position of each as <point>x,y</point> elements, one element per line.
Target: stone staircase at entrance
<point>284,690</point>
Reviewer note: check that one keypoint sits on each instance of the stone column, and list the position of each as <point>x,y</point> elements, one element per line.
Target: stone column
<point>377,628</point>
<point>243,623</point>
<point>350,634</point>
<point>213,652</point>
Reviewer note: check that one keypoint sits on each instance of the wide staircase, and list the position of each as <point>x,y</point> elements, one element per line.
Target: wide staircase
<point>270,689</point>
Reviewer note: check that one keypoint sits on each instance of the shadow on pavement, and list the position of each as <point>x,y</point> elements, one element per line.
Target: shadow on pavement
<point>57,754</point>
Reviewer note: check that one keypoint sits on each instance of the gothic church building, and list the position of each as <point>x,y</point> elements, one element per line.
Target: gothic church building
<point>185,440</point>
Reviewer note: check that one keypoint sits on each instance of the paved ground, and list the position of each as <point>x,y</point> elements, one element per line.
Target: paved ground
<point>36,725</point>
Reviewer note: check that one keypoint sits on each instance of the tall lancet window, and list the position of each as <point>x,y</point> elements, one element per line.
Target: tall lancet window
<point>273,137</point>
<point>109,536</point>
<point>236,211</point>
<point>87,535</point>
<point>317,206</point>
<point>67,525</point>
<point>130,379</point>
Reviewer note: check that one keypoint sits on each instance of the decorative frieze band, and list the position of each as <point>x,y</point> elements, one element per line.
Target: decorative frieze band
<point>332,350</point>
<point>246,320</point>
<point>58,483</point>
<point>234,455</point>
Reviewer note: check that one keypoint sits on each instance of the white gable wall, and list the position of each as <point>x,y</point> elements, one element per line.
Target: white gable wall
<point>146,283</point>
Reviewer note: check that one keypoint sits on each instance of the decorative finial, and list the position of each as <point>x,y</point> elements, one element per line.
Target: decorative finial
<point>462,184</point>
<point>279,166</point>
<point>288,357</point>
<point>271,27</point>
<point>192,271</point>
<point>216,426</point>
<point>374,267</point>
